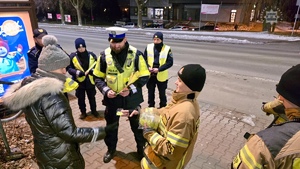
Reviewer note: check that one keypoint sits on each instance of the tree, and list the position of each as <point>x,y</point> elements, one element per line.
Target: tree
<point>140,4</point>
<point>89,4</point>
<point>78,4</point>
<point>62,13</point>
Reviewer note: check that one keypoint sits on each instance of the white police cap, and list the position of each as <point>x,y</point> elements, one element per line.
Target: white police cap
<point>116,32</point>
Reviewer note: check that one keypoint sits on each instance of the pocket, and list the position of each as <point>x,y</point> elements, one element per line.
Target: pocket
<point>151,156</point>
<point>111,79</point>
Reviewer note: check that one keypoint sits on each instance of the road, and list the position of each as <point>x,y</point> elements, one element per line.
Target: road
<point>239,76</point>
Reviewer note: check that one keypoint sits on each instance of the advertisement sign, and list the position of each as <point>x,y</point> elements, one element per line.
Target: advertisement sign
<point>68,18</point>
<point>58,16</point>
<point>15,41</point>
<point>271,16</point>
<point>49,15</point>
<point>209,9</point>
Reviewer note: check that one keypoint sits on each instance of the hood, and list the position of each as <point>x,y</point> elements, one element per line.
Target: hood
<point>18,97</point>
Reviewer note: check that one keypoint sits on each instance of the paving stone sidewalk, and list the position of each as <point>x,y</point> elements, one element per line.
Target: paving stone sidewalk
<point>219,140</point>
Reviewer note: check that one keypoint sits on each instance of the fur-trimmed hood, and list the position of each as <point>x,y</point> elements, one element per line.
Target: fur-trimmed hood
<point>18,97</point>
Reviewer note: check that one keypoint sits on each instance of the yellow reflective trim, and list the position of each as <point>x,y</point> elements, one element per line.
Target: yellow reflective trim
<point>236,161</point>
<point>154,138</point>
<point>248,158</point>
<point>177,140</point>
<point>296,163</point>
<point>144,164</point>
<point>97,71</point>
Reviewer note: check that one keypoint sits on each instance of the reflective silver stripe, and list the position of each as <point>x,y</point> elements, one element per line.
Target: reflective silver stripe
<point>105,89</point>
<point>96,132</point>
<point>133,88</point>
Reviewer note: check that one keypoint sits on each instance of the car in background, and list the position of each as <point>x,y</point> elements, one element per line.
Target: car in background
<point>206,28</point>
<point>129,25</point>
<point>179,27</point>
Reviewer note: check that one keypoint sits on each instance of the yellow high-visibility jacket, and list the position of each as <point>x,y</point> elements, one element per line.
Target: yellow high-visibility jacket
<point>79,67</point>
<point>163,75</point>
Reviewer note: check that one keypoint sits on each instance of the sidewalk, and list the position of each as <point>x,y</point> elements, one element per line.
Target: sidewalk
<point>219,140</point>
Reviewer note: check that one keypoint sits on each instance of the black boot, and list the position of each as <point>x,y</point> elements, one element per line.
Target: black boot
<point>96,114</point>
<point>83,116</point>
<point>108,156</point>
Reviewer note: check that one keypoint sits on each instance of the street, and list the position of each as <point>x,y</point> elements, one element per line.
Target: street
<point>239,76</point>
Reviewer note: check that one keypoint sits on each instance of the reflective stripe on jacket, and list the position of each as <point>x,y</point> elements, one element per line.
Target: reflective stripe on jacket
<point>171,145</point>
<point>163,75</point>
<point>276,147</point>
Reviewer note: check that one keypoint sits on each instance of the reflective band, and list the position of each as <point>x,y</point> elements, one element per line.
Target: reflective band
<point>177,140</point>
<point>133,88</point>
<point>248,158</point>
<point>96,132</point>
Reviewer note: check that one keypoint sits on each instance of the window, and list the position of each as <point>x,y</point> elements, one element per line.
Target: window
<point>232,15</point>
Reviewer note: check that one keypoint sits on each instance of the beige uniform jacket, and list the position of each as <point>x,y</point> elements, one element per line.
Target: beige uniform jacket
<point>171,146</point>
<point>277,147</point>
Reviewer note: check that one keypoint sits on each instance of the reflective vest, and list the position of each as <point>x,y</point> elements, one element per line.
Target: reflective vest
<point>163,75</point>
<point>118,81</point>
<point>70,85</point>
<point>77,65</point>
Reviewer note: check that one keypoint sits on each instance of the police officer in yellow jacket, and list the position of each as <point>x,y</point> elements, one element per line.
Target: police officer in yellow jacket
<point>171,145</point>
<point>278,146</point>
<point>81,68</point>
<point>159,58</point>
<point>121,72</point>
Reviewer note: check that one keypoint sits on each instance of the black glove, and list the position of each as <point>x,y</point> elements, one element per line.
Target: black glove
<point>91,72</point>
<point>111,127</point>
<point>81,73</point>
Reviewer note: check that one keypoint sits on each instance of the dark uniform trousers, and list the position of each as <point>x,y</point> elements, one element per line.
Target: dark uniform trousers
<point>80,94</point>
<point>162,86</point>
<point>111,138</point>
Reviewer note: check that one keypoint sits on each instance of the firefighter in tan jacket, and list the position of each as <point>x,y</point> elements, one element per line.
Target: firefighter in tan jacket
<point>278,146</point>
<point>171,145</point>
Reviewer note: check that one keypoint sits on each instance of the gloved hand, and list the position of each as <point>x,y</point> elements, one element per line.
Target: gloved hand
<point>111,127</point>
<point>91,72</point>
<point>80,73</point>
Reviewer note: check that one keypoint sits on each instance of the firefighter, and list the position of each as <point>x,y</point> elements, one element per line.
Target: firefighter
<point>171,144</point>
<point>278,146</point>
<point>121,72</point>
<point>159,58</point>
<point>81,68</point>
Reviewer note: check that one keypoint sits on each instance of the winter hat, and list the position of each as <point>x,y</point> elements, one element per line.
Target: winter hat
<point>193,75</point>
<point>289,85</point>
<point>159,35</point>
<point>52,57</point>
<point>79,42</point>
<point>39,32</point>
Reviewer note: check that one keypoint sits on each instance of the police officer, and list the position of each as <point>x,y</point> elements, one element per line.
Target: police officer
<point>34,52</point>
<point>160,59</point>
<point>278,146</point>
<point>81,68</point>
<point>121,72</point>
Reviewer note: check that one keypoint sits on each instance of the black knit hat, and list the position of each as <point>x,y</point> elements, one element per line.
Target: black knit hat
<point>159,35</point>
<point>79,42</point>
<point>193,75</point>
<point>289,85</point>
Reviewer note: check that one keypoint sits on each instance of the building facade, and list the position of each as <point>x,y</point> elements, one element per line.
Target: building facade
<point>187,10</point>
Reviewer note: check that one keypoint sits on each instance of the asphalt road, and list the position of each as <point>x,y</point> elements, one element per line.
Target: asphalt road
<point>239,76</point>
